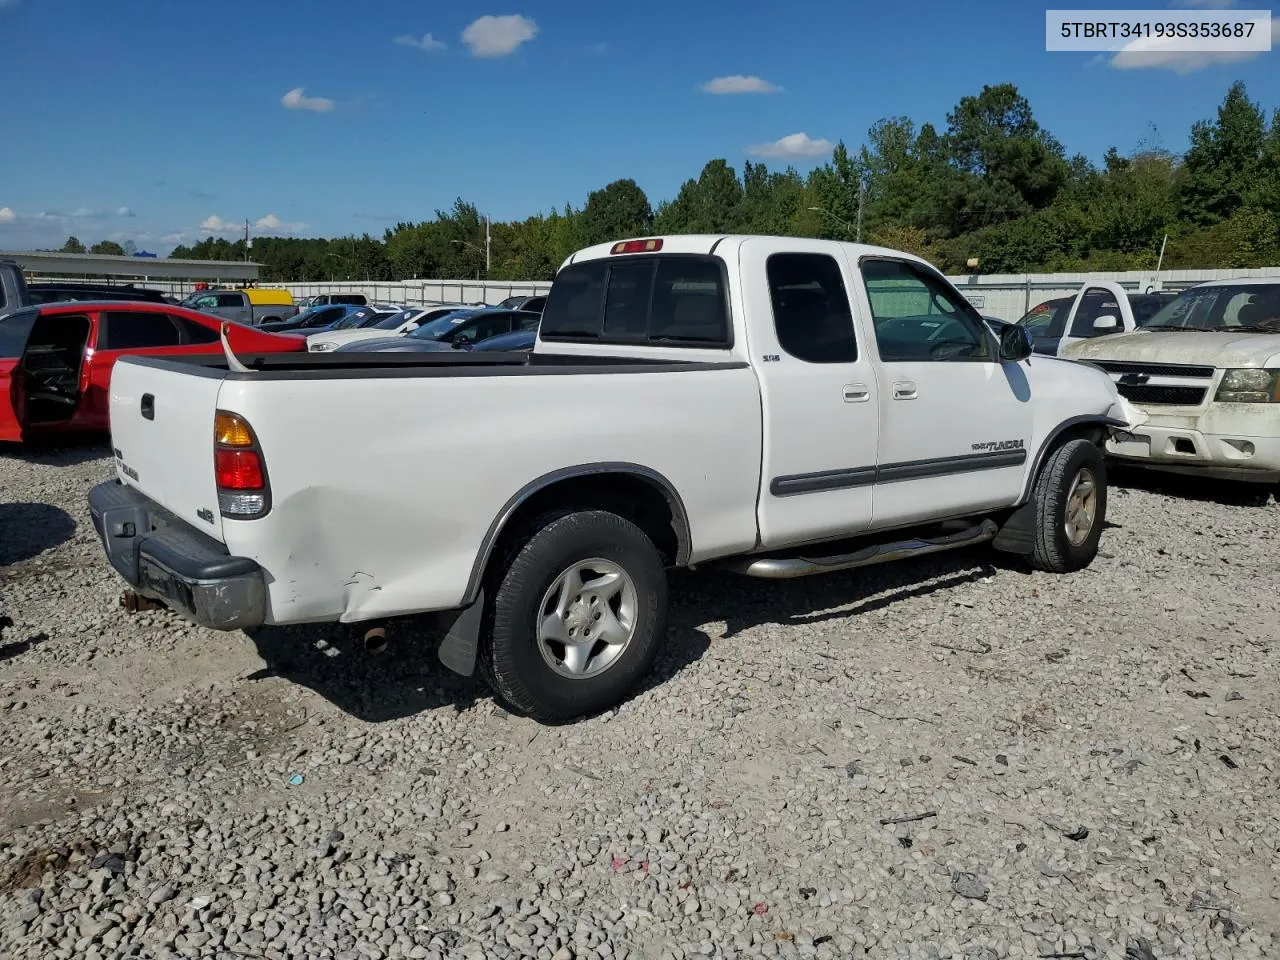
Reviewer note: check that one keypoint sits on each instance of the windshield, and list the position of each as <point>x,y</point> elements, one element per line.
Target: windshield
<point>351,320</point>
<point>1248,306</point>
<point>438,327</point>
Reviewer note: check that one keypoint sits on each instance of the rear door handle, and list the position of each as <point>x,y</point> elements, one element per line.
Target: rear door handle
<point>904,390</point>
<point>856,393</point>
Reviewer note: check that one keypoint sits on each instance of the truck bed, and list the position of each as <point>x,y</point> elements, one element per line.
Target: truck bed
<point>388,470</point>
<point>312,366</point>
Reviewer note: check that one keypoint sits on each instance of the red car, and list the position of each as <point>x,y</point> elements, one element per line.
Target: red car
<point>56,359</point>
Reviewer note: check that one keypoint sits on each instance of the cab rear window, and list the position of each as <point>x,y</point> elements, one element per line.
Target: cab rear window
<point>671,300</point>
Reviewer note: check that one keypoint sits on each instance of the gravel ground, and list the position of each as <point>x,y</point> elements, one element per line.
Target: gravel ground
<point>1083,766</point>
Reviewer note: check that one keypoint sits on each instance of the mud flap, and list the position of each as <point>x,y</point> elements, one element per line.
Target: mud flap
<point>1017,534</point>
<point>461,644</point>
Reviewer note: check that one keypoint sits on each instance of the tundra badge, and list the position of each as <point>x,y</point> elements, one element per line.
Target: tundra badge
<point>127,470</point>
<point>999,445</point>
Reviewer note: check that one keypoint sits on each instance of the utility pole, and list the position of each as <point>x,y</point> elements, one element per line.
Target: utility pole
<point>246,239</point>
<point>861,188</point>
<point>487,246</point>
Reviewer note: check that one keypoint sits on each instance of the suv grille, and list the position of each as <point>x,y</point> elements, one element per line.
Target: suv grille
<point>1144,393</point>
<point>1155,369</point>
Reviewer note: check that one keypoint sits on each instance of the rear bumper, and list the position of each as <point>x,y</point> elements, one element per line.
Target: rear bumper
<point>165,559</point>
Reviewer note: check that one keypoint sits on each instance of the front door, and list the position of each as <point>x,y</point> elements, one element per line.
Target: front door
<point>819,392</point>
<point>15,330</point>
<point>1101,299</point>
<point>955,421</point>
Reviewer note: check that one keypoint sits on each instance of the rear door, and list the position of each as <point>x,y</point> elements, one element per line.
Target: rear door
<point>820,397</point>
<point>1095,302</point>
<point>235,306</point>
<point>15,329</point>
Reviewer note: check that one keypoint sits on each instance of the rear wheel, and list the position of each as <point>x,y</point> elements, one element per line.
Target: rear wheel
<point>577,618</point>
<point>1071,506</point>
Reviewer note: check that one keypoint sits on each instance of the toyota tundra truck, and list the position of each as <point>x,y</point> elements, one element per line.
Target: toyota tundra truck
<point>776,406</point>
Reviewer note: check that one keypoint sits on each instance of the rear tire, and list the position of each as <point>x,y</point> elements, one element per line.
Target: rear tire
<point>577,617</point>
<point>1070,500</point>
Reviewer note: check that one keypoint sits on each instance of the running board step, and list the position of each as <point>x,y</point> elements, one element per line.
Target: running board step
<point>787,568</point>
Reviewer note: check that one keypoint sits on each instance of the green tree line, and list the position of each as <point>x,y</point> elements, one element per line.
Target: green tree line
<point>992,185</point>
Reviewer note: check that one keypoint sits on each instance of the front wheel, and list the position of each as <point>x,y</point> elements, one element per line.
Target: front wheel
<point>1071,506</point>
<point>577,618</point>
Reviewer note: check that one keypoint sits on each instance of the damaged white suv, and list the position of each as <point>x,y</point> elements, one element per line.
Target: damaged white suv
<point>1206,372</point>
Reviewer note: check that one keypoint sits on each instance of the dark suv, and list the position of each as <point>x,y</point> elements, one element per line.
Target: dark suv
<point>59,292</point>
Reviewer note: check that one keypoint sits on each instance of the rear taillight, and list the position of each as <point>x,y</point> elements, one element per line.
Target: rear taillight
<point>243,491</point>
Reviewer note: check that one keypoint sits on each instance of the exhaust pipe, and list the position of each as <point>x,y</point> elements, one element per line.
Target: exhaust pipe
<point>375,639</point>
<point>134,603</point>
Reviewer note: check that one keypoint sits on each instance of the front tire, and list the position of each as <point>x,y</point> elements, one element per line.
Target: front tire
<point>1070,500</point>
<point>577,618</point>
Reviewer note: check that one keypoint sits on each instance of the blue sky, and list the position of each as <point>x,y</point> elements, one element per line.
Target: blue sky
<point>164,122</point>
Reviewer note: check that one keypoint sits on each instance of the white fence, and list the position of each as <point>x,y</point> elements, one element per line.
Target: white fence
<point>424,291</point>
<point>1005,296</point>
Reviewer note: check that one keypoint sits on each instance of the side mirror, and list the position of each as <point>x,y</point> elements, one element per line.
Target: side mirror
<point>1106,323</point>
<point>1016,343</point>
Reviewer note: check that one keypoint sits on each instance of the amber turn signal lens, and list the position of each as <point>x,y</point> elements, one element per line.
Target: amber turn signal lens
<point>230,430</point>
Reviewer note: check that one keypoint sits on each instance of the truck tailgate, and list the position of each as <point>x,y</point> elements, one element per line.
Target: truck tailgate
<point>162,437</point>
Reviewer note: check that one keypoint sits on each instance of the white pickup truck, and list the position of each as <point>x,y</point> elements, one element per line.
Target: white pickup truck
<point>781,406</point>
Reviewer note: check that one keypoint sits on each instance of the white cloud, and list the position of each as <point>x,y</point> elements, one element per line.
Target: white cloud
<point>265,224</point>
<point>124,212</point>
<point>599,48</point>
<point>296,100</point>
<point>1145,54</point>
<point>273,224</point>
<point>215,224</point>
<point>739,84</point>
<point>427,42</point>
<point>174,238</point>
<point>791,147</point>
<point>492,36</point>
<point>6,214</point>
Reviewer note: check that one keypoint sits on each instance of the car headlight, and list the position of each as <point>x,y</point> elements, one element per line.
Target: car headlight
<point>323,347</point>
<point>1249,386</point>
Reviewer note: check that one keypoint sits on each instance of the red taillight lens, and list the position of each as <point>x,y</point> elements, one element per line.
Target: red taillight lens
<point>637,246</point>
<point>238,469</point>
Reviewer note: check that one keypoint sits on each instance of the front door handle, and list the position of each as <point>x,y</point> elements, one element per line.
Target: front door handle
<point>856,393</point>
<point>904,390</point>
